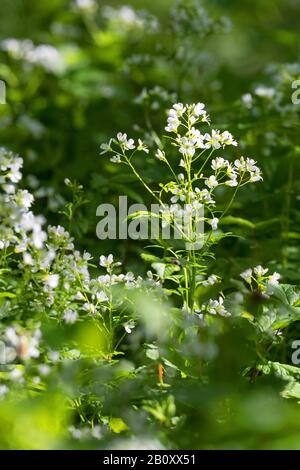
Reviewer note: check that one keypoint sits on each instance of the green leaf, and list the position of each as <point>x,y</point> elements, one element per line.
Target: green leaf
<point>150,258</point>
<point>8,295</point>
<point>230,220</point>
<point>117,425</point>
<point>284,371</point>
<point>152,352</point>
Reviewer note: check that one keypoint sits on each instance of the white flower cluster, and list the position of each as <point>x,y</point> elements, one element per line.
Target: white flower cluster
<point>155,97</point>
<point>127,17</point>
<point>213,307</point>
<point>21,344</point>
<point>258,275</point>
<point>85,432</point>
<point>124,144</point>
<point>52,277</point>
<point>180,114</point>
<point>18,227</point>
<point>85,4</point>
<point>44,55</point>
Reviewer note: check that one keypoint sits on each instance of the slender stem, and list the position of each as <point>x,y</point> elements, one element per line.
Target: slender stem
<point>233,197</point>
<point>140,178</point>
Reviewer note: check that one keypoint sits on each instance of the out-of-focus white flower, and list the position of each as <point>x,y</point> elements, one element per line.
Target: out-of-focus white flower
<point>160,154</point>
<point>47,57</point>
<point>273,279</point>
<point>115,159</point>
<point>44,369</point>
<point>24,198</point>
<point>260,271</point>
<point>216,307</point>
<point>43,55</point>
<point>106,147</point>
<point>265,92</point>
<point>247,100</point>
<point>101,296</point>
<point>246,275</point>
<point>214,223</point>
<point>129,326</point>
<point>3,390</point>
<point>90,308</point>
<point>142,147</point>
<point>51,280</point>
<point>85,4</point>
<point>16,374</point>
<point>70,316</point>
<point>210,281</point>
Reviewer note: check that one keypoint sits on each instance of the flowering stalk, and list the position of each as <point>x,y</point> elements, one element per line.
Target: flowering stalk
<point>190,195</point>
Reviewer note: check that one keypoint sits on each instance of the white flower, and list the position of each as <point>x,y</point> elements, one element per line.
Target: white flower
<point>101,296</point>
<point>247,100</point>
<point>260,271</point>
<point>211,182</point>
<point>204,196</point>
<point>106,262</point>
<point>160,154</point>
<point>214,223</point>
<point>178,195</point>
<point>51,280</point>
<point>3,390</point>
<point>115,159</point>
<point>24,198</point>
<point>199,109</point>
<point>79,296</point>
<point>210,281</point>
<point>179,108</point>
<point>27,259</point>
<point>187,147</point>
<point>142,146</point>
<point>255,175</point>
<point>70,316</point>
<point>44,55</point>
<point>90,308</point>
<point>53,356</point>
<point>106,147</point>
<point>233,182</point>
<point>172,124</point>
<point>85,4</point>
<point>246,275</point>
<point>127,144</point>
<point>129,326</point>
<point>182,163</point>
<point>219,163</point>
<point>265,92</point>
<point>16,374</point>
<point>213,140</point>
<point>227,139</point>
<point>216,307</point>
<point>44,369</point>
<point>240,164</point>
<point>47,57</point>
<point>273,279</point>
